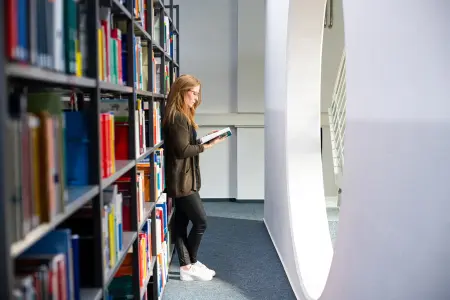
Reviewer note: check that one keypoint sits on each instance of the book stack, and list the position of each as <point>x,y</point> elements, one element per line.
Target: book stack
<point>54,37</point>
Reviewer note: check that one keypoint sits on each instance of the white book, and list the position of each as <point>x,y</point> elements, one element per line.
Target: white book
<point>226,132</point>
<point>59,53</point>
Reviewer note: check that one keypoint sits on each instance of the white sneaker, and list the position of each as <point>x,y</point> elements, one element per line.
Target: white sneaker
<point>195,273</point>
<point>213,273</point>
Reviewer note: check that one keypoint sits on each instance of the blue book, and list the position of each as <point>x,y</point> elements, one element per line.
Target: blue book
<point>124,59</point>
<point>76,263</point>
<point>76,144</point>
<point>56,242</point>
<point>22,32</point>
<point>163,206</point>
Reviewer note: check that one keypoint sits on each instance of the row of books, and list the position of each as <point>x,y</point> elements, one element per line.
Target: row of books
<point>124,186</point>
<point>157,174</point>
<point>39,142</point>
<point>122,283</point>
<point>114,132</point>
<point>159,86</point>
<point>118,109</point>
<point>61,263</point>
<point>51,269</point>
<point>116,219</point>
<point>145,254</point>
<point>117,214</point>
<point>167,40</point>
<point>53,38</point>
<point>144,192</point>
<point>27,39</point>
<point>163,242</point>
<point>121,287</point>
<point>113,53</point>
<point>112,50</point>
<point>114,212</point>
<point>49,151</point>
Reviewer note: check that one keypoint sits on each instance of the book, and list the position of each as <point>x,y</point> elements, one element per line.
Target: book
<point>225,132</point>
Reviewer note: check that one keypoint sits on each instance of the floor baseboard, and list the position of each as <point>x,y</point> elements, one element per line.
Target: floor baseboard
<point>331,202</point>
<point>233,200</point>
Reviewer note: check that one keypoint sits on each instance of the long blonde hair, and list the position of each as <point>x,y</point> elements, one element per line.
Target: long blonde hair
<point>175,102</point>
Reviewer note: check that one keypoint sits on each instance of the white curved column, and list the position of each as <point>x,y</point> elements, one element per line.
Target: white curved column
<point>309,224</point>
<point>295,212</point>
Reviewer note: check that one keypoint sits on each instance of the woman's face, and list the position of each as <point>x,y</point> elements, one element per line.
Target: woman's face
<point>191,97</point>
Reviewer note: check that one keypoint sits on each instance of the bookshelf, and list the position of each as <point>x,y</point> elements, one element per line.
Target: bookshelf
<point>83,85</point>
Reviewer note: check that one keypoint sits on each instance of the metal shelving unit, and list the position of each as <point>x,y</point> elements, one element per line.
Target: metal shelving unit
<point>89,87</point>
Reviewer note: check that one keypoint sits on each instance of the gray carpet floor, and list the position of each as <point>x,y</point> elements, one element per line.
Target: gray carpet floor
<point>237,245</point>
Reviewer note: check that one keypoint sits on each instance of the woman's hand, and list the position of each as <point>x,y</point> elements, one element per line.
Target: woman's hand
<point>214,142</point>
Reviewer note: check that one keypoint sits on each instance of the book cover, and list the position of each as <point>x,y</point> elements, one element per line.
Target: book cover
<point>225,132</point>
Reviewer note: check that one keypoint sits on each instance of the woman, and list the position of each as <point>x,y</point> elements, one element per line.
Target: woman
<point>183,180</point>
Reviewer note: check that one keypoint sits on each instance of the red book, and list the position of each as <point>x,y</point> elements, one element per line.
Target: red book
<point>103,145</point>
<point>159,213</point>
<point>62,293</point>
<point>124,187</point>
<point>11,29</point>
<point>141,134</point>
<point>121,140</point>
<point>108,158</point>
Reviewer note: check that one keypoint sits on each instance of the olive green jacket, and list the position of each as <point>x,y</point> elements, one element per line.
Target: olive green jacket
<point>181,154</point>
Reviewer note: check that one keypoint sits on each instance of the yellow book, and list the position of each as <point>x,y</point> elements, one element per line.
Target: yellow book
<point>144,258</point>
<point>112,236</point>
<point>78,59</point>
<point>100,54</point>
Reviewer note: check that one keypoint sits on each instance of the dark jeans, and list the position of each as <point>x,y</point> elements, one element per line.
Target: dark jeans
<point>189,208</point>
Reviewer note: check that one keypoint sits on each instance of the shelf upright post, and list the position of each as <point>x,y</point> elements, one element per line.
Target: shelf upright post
<point>150,67</point>
<point>174,34</point>
<point>150,21</point>
<point>132,145</point>
<point>6,272</point>
<point>95,173</point>
<point>171,28</point>
<point>153,229</point>
<point>153,199</point>
<point>177,24</point>
<point>162,38</point>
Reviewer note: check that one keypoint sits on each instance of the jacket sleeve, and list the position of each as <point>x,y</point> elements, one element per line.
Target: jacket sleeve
<point>179,133</point>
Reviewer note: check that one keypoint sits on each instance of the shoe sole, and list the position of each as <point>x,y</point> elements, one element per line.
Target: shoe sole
<point>191,278</point>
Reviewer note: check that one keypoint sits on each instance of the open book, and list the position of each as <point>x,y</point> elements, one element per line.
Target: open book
<point>226,132</point>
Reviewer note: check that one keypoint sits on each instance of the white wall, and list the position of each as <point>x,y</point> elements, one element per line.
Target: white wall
<point>393,229</point>
<point>222,43</point>
<point>208,50</point>
<point>251,34</point>
<point>333,45</point>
